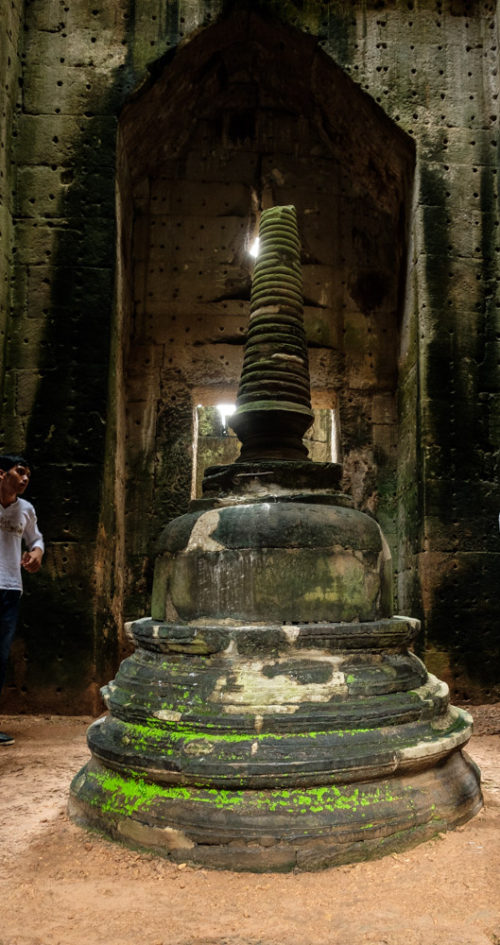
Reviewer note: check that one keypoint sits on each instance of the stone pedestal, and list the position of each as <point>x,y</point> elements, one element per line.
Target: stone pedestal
<point>272,715</point>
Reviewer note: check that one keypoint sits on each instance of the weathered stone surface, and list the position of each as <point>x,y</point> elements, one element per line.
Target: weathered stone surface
<point>261,685</point>
<point>433,72</point>
<point>276,830</point>
<point>270,747</point>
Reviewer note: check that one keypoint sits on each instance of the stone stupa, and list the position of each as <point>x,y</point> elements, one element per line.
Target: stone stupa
<point>272,715</point>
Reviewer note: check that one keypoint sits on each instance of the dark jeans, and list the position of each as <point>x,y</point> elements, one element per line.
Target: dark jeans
<point>9,609</point>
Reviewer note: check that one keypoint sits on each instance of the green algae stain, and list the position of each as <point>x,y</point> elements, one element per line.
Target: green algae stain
<point>127,796</point>
<point>140,736</point>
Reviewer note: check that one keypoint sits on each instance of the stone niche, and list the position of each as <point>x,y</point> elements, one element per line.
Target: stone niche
<point>236,121</point>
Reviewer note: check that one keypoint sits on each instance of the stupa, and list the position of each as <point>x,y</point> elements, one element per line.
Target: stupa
<point>273,715</point>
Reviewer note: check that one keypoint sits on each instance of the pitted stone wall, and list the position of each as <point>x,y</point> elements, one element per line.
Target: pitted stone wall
<point>432,67</point>
<point>60,329</point>
<point>10,68</point>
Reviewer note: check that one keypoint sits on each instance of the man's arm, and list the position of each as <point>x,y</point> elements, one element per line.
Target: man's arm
<point>32,560</point>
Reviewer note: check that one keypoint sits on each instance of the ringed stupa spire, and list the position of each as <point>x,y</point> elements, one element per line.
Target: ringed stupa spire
<point>274,398</point>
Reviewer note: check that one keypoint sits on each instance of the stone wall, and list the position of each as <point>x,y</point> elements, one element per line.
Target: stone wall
<point>10,66</point>
<point>147,137</point>
<point>60,327</point>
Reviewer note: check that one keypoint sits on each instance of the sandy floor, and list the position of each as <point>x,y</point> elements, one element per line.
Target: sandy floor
<point>63,886</point>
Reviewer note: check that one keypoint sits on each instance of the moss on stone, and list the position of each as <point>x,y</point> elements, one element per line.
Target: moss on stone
<point>126,796</point>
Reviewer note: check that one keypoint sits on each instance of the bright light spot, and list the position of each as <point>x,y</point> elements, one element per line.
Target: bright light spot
<point>254,248</point>
<point>225,411</point>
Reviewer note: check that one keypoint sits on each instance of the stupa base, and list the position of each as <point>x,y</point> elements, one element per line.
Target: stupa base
<point>278,830</point>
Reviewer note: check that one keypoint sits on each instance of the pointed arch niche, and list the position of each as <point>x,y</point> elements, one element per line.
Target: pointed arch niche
<point>247,114</point>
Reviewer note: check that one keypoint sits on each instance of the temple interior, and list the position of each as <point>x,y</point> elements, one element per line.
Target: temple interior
<point>140,149</point>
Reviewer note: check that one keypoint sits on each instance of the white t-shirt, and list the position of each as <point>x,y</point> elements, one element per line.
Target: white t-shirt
<point>17,524</point>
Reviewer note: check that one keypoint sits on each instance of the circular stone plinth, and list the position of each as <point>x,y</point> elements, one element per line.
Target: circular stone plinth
<point>245,478</point>
<point>278,829</point>
<point>276,561</point>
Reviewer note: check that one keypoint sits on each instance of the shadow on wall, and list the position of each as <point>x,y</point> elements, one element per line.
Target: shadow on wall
<point>461,486</point>
<point>58,648</point>
<point>463,627</point>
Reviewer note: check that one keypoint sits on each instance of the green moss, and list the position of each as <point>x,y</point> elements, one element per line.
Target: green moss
<point>126,796</point>
<point>142,735</point>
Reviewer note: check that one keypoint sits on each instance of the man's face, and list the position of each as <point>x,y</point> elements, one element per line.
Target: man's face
<point>16,478</point>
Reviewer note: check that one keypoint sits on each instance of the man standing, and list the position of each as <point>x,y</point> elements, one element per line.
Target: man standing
<point>17,524</point>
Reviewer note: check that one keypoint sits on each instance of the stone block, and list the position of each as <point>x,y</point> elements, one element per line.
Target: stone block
<point>321,286</point>
<point>65,500</point>
<point>383,408</point>
<point>459,146</point>
<point>408,592</point>
<point>140,389</point>
<point>35,243</point>
<point>442,335</point>
<point>48,142</point>
<point>325,366</point>
<point>40,192</point>
<point>6,230</point>
<point>196,198</point>
<point>65,291</point>
<point>139,519</point>
<point>88,46</point>
<point>56,245</point>
<point>220,168</point>
<point>65,560</point>
<point>194,282</point>
<point>321,430</point>
<point>408,524</point>
<point>459,604</point>
<point>451,232</point>
<point>45,192</point>
<point>211,366</point>
<point>196,239</point>
<point>322,327</point>
<point>455,185</point>
<point>39,290</point>
<point>11,21</point>
<point>141,424</point>
<point>450,283</point>
<point>369,356</point>
<point>77,16</point>
<point>27,383</point>
<point>461,516</point>
<point>144,361</point>
<point>354,408</point>
<point>385,440</point>
<point>326,181</point>
<point>25,338</point>
<point>493,418</point>
<point>67,90</point>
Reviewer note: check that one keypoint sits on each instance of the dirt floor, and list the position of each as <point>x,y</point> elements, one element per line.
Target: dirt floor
<point>63,886</point>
